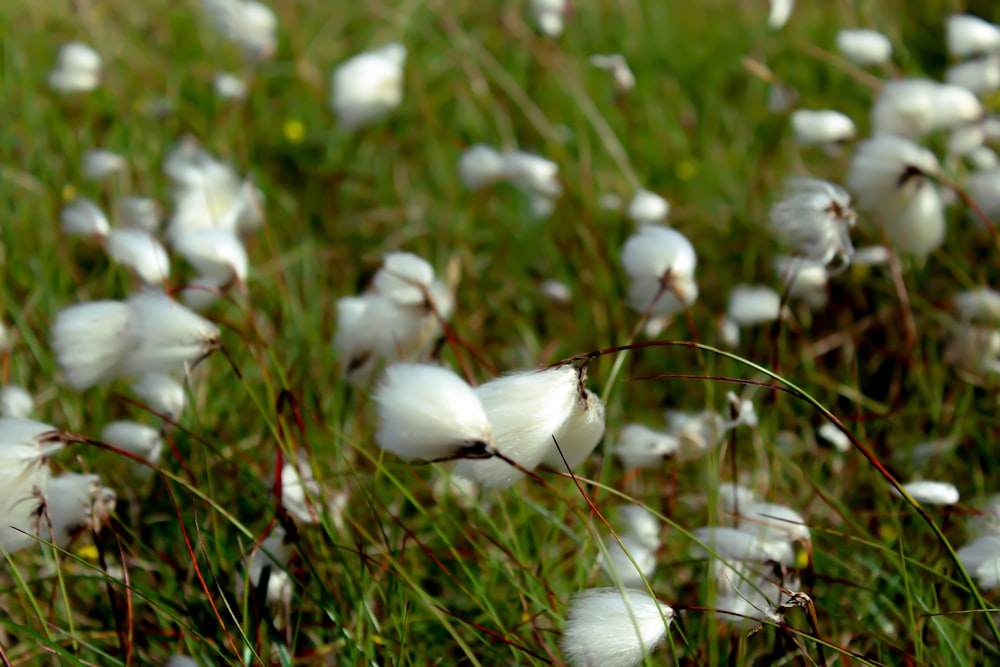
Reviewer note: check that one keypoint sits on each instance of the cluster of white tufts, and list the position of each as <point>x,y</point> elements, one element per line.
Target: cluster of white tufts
<point>481,166</point>
<point>77,70</point>
<point>249,24</point>
<point>614,628</point>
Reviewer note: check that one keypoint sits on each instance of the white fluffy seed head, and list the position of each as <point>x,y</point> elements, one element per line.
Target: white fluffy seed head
<point>532,173</point>
<point>638,522</point>
<point>404,278</point>
<point>771,522</point>
<point>15,401</point>
<point>247,23</point>
<point>217,254</point>
<point>77,70</point>
<point>526,409</point>
<point>98,164</point>
<point>140,213</point>
<point>733,544</point>
<point>162,393</point>
<point>229,86</point>
<point>984,188</point>
<point>833,435</point>
<point>368,86</point>
<point>641,447</point>
<point>655,256</point>
<point>752,305</point>
<point>932,493</point>
<point>549,16</point>
<point>269,560</point>
<point>981,76</point>
<point>619,568</point>
<point>579,435</point>
<point>91,341</point>
<point>647,208</point>
<point>978,303</point>
<point>884,168</point>
<point>82,217</point>
<point>300,491</point>
<point>134,438</point>
<point>969,35</point>
<point>139,251</point>
<point>821,127</point>
<point>480,166</point>
<point>428,412</point>
<point>618,66</point>
<point>864,47</point>
<point>814,219</point>
<point>75,502</point>
<point>613,628</point>
<point>164,335</point>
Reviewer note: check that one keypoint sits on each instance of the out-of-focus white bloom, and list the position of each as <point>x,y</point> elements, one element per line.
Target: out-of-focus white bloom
<point>803,279</point>
<point>749,594</point>
<point>134,438</point>
<point>527,409</point>
<point>781,11</point>
<point>964,140</point>
<point>549,16</point>
<point>833,435</point>
<point>428,412</point>
<point>660,263</point>
<point>981,558</point>
<point>815,219</point>
<point>541,206</point>
<point>267,563</point>
<point>983,158</point>
<point>618,66</point>
<point>579,434</point>
<point>697,432</point>
<point>77,70</point>
<point>981,76</point>
<point>15,401</point>
<point>991,126</point>
<point>984,188</point>
<point>250,24</point>
<point>974,351</point>
<point>98,164</point>
<point>619,567</point>
<point>82,217</point>
<point>729,332</point>
<point>75,502</point>
<point>821,127</point>
<point>368,86</point>
<point>162,393</point>
<point>97,341</point>
<point>404,278</point>
<point>557,291</point>
<point>299,488</point>
<point>140,213</point>
<point>647,208</point>
<point>481,166</point>
<point>642,447</point>
<point>216,254</point>
<point>751,305</point>
<point>139,251</point>
<point>201,293</point>
<point>772,522</point>
<point>911,108</point>
<point>229,86</point>
<point>969,35</point>
<point>931,493</point>
<point>25,446</point>
<point>733,496</point>
<point>742,411</point>
<point>736,544</point>
<point>864,47</point>
<point>638,522</point>
<point>532,173</point>
<point>612,628</point>
<point>873,255</point>
<point>978,303</point>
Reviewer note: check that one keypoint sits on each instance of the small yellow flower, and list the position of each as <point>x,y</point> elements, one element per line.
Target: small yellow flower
<point>87,552</point>
<point>802,559</point>
<point>687,169</point>
<point>68,192</point>
<point>295,131</point>
<point>377,640</point>
<point>887,532</point>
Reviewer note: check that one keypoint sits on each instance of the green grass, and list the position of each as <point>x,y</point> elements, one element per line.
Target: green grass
<point>408,578</point>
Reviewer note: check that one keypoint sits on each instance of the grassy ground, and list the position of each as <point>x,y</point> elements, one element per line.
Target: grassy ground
<point>405,578</point>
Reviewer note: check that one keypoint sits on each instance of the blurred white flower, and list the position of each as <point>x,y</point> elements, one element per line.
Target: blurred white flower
<point>969,35</point>
<point>638,522</point>
<point>864,47</point>
<point>613,628</point>
<point>833,435</point>
<point>821,127</point>
<point>162,393</point>
<point>77,70</point>
<point>138,439</point>
<point>98,164</point>
<point>368,86</point>
<point>267,568</point>
<point>647,208</point>
<point>140,213</point>
<point>696,432</point>
<point>549,16</point>
<point>931,493</point>
<point>15,401</point>
<point>983,158</point>
<point>981,76</point>
<point>660,263</point>
<point>579,434</point>
<point>74,503</point>
<point>617,565</point>
<point>216,254</point>
<point>641,447</point>
<point>733,496</point>
<point>735,544</point>
<point>620,71</point>
<point>974,351</point>
<point>771,522</point>
<point>428,412</point>
<point>229,86</point>
<point>781,99</point>
<point>781,11</point>
<point>873,255</point>
<point>815,219</point>
<point>82,217</point>
<point>25,447</point>
<point>803,279</point>
<point>250,24</point>
<point>557,291</point>
<point>966,139</point>
<point>139,251</point>
<point>532,173</point>
<point>481,166</point>
<point>300,491</point>
<point>984,188</point>
<point>912,108</point>
<point>752,305</point>
<point>978,303</point>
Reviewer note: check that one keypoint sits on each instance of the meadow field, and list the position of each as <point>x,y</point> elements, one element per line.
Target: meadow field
<point>252,507</point>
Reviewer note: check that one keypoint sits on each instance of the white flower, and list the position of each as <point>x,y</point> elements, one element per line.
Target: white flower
<point>428,412</point>
<point>368,86</point>
<point>82,217</point>
<point>481,166</point>
<point>139,251</point>
<point>803,279</point>
<point>660,263</point>
<point>526,409</point>
<point>911,108</point>
<point>25,446</point>
<point>618,66</point>
<point>821,127</point>
<point>642,447</point>
<point>974,351</point>
<point>77,70</point>
<point>229,86</point>
<point>557,291</point>
<point>15,401</point>
<point>619,568</point>
<point>134,438</point>
<point>267,564</point>
<point>984,188</point>
<point>815,219</point>
<point>981,76</point>
<point>201,293</point>
<point>965,139</point>
<point>752,305</point>
<point>970,35</point>
<point>579,434</point>
<point>983,158</point>
<point>741,545</point>
<point>549,15</point>
<point>610,628</point>
<point>640,523</point>
<point>733,496</point>
<point>298,489</point>
<point>251,25</point>
<point>98,164</point>
<point>770,522</point>
<point>833,435</point>
<point>781,10</point>
<point>532,173</point>
<point>217,254</point>
<point>73,503</point>
<point>864,47</point>
<point>162,393</point>
<point>140,213</point>
<point>696,432</point>
<point>874,255</point>
<point>978,303</point>
<point>748,594</point>
<point>97,341</point>
<point>404,278</point>
<point>647,208</point>
<point>931,493</point>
